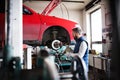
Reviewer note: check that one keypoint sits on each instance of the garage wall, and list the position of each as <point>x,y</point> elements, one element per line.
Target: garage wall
<point>60,11</point>
<point>73,15</point>
<point>106,25</point>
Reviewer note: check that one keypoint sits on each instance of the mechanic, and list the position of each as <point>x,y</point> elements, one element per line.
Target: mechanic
<point>81,47</point>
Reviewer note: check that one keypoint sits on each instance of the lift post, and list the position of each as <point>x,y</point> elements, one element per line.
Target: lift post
<point>13,31</point>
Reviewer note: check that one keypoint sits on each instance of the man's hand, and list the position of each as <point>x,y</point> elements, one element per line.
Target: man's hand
<point>67,54</point>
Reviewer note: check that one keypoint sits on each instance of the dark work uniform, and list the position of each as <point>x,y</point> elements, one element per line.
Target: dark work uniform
<point>76,50</point>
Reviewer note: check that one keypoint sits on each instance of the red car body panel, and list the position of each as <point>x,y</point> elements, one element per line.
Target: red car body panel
<point>34,25</point>
<point>2,26</point>
<point>49,21</point>
<point>31,25</point>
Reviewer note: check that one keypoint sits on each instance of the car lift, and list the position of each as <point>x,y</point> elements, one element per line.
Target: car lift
<point>50,7</point>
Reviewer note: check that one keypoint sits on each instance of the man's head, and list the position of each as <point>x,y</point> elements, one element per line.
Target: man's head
<point>77,32</point>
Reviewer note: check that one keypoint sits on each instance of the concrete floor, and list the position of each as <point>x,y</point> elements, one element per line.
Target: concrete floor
<point>66,76</point>
<point>93,74</point>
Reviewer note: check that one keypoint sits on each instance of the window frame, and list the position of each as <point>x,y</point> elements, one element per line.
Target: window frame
<point>90,19</point>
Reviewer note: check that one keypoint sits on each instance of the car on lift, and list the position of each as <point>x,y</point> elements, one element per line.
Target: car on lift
<point>41,29</point>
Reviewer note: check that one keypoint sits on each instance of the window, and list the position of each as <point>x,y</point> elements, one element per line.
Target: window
<point>2,6</point>
<point>96,30</point>
<point>26,11</point>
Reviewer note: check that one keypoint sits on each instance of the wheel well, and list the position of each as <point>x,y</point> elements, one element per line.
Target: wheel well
<point>55,32</point>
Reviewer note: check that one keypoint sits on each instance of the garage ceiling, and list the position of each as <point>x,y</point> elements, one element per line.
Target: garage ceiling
<point>71,4</point>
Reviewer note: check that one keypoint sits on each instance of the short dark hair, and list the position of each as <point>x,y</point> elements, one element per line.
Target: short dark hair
<point>77,30</point>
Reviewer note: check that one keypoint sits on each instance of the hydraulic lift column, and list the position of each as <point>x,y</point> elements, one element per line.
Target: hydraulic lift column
<point>13,30</point>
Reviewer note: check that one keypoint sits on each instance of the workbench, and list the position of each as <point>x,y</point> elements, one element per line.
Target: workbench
<point>101,63</point>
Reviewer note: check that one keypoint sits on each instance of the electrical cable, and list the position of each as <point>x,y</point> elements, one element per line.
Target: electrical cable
<point>61,10</point>
<point>66,9</point>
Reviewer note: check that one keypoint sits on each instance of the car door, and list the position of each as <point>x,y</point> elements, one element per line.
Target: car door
<point>31,24</point>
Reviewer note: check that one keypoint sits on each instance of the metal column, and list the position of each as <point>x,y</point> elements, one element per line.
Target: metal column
<point>13,30</point>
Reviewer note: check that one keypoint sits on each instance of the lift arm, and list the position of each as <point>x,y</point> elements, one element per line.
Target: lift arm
<point>50,7</point>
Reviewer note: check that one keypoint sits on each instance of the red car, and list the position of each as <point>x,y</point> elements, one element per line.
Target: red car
<point>41,29</point>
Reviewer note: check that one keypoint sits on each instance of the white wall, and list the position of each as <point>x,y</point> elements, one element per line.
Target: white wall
<point>105,10</point>
<point>74,14</point>
<point>106,25</point>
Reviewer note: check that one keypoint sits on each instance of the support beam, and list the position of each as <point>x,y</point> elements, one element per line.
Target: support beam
<point>13,29</point>
<point>72,1</point>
